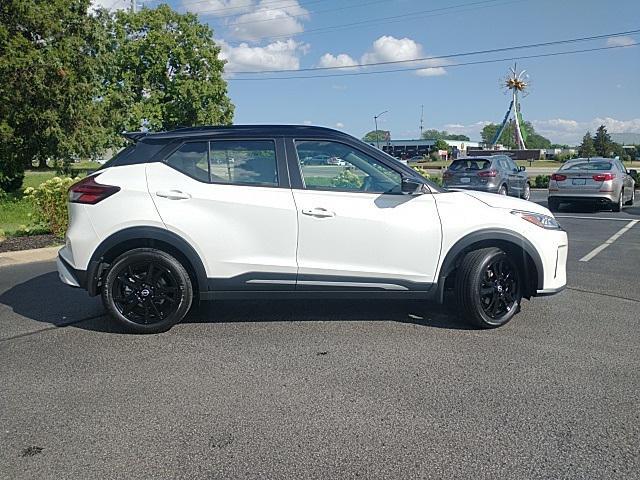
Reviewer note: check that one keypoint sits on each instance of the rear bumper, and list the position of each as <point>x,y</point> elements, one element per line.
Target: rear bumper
<point>596,197</point>
<point>69,275</point>
<point>479,188</point>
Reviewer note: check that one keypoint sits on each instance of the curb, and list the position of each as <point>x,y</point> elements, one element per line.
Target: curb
<point>28,256</point>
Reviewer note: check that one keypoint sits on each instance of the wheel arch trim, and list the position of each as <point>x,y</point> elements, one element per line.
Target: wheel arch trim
<point>149,233</point>
<point>486,236</point>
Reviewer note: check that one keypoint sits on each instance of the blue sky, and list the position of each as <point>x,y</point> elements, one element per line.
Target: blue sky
<point>569,94</point>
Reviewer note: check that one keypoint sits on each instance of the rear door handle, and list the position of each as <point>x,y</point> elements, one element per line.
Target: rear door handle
<point>318,212</point>
<point>173,194</point>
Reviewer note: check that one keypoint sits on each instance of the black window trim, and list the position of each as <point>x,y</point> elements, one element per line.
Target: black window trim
<point>281,161</point>
<point>298,166</point>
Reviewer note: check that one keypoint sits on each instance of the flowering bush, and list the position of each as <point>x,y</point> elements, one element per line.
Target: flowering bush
<point>50,204</point>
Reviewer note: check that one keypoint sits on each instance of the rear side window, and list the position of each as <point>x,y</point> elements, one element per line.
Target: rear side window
<point>464,165</point>
<point>244,162</point>
<point>192,159</point>
<point>240,162</point>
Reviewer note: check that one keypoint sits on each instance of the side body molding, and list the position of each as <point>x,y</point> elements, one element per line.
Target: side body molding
<point>487,237</point>
<point>150,235</point>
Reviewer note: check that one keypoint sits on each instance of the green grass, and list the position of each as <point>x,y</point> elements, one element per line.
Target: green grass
<point>14,212</point>
<point>34,178</point>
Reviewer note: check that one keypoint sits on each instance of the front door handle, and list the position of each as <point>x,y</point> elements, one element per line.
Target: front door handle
<point>318,212</point>
<point>173,194</point>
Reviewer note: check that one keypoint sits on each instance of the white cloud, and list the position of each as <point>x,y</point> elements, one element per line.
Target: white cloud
<point>561,130</point>
<point>390,49</point>
<point>339,125</point>
<point>340,60</point>
<point>622,41</point>
<point>217,8</point>
<point>266,20</point>
<point>110,5</point>
<point>471,130</point>
<point>280,55</point>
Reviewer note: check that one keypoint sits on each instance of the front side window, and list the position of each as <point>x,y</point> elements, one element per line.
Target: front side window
<point>244,162</point>
<point>335,166</point>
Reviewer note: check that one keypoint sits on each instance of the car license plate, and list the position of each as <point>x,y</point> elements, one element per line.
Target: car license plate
<point>465,180</point>
<point>579,181</point>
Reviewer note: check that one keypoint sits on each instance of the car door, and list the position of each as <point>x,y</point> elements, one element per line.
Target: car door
<point>357,231</point>
<point>231,200</point>
<point>513,174</point>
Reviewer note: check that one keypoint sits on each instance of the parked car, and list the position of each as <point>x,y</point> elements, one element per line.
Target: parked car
<point>168,222</point>
<point>494,174</point>
<point>599,181</point>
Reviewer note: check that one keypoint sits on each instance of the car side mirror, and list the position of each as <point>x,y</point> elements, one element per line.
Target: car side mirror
<point>411,186</point>
<point>522,169</point>
<point>633,172</point>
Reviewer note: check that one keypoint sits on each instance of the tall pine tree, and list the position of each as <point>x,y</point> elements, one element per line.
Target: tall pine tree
<point>586,149</point>
<point>602,142</point>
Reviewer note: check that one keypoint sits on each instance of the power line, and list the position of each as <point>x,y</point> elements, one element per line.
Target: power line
<point>366,4</point>
<point>478,62</point>
<point>397,18</point>
<point>452,55</point>
<point>286,3</point>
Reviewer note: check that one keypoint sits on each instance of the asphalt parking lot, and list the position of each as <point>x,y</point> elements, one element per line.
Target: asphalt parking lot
<point>340,389</point>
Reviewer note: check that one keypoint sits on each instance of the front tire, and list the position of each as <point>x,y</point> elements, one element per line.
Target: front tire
<point>488,288</point>
<point>526,194</point>
<point>147,291</point>
<point>632,199</point>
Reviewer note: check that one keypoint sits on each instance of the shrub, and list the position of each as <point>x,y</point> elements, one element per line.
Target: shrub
<point>2,235</point>
<point>541,181</point>
<point>347,179</point>
<point>432,178</point>
<point>50,204</point>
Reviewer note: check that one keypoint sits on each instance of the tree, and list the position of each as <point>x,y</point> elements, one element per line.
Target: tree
<point>602,142</point>
<point>586,149</point>
<point>433,134</point>
<point>534,140</point>
<point>440,145</point>
<point>377,136</point>
<point>48,72</point>
<point>163,71</point>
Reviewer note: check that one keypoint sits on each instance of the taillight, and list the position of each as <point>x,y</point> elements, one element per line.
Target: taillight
<point>558,178</point>
<point>488,173</point>
<point>90,192</point>
<point>603,177</point>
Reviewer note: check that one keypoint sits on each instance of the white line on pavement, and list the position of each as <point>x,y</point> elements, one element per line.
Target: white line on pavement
<point>612,239</point>
<point>592,218</point>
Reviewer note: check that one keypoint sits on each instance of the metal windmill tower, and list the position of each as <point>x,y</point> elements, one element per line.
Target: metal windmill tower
<point>516,83</point>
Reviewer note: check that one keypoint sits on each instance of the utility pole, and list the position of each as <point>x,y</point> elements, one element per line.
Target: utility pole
<point>421,119</point>
<point>375,121</point>
<point>133,6</point>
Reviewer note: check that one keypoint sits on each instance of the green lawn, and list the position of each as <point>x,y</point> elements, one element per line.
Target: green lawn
<point>14,212</point>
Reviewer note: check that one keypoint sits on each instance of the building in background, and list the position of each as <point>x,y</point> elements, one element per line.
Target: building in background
<point>405,149</point>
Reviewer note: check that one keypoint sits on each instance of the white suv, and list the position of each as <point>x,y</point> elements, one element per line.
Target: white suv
<point>230,212</point>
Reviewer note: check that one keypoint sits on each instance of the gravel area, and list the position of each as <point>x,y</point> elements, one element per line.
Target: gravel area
<point>12,244</point>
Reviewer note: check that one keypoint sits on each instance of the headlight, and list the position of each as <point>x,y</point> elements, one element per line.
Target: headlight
<point>543,221</point>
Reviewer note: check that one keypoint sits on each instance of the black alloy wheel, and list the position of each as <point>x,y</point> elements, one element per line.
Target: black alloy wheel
<point>499,288</point>
<point>147,290</point>
<point>488,287</point>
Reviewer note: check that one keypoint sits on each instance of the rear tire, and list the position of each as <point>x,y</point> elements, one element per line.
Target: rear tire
<point>488,288</point>
<point>632,199</point>
<point>617,206</point>
<point>554,204</point>
<point>503,190</point>
<point>147,291</point>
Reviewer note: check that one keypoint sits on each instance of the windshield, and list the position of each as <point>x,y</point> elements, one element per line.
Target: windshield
<point>587,166</point>
<point>464,165</point>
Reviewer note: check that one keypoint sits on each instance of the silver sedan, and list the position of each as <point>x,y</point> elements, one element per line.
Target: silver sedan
<point>603,181</point>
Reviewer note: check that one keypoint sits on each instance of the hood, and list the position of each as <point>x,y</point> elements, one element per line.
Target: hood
<point>511,203</point>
